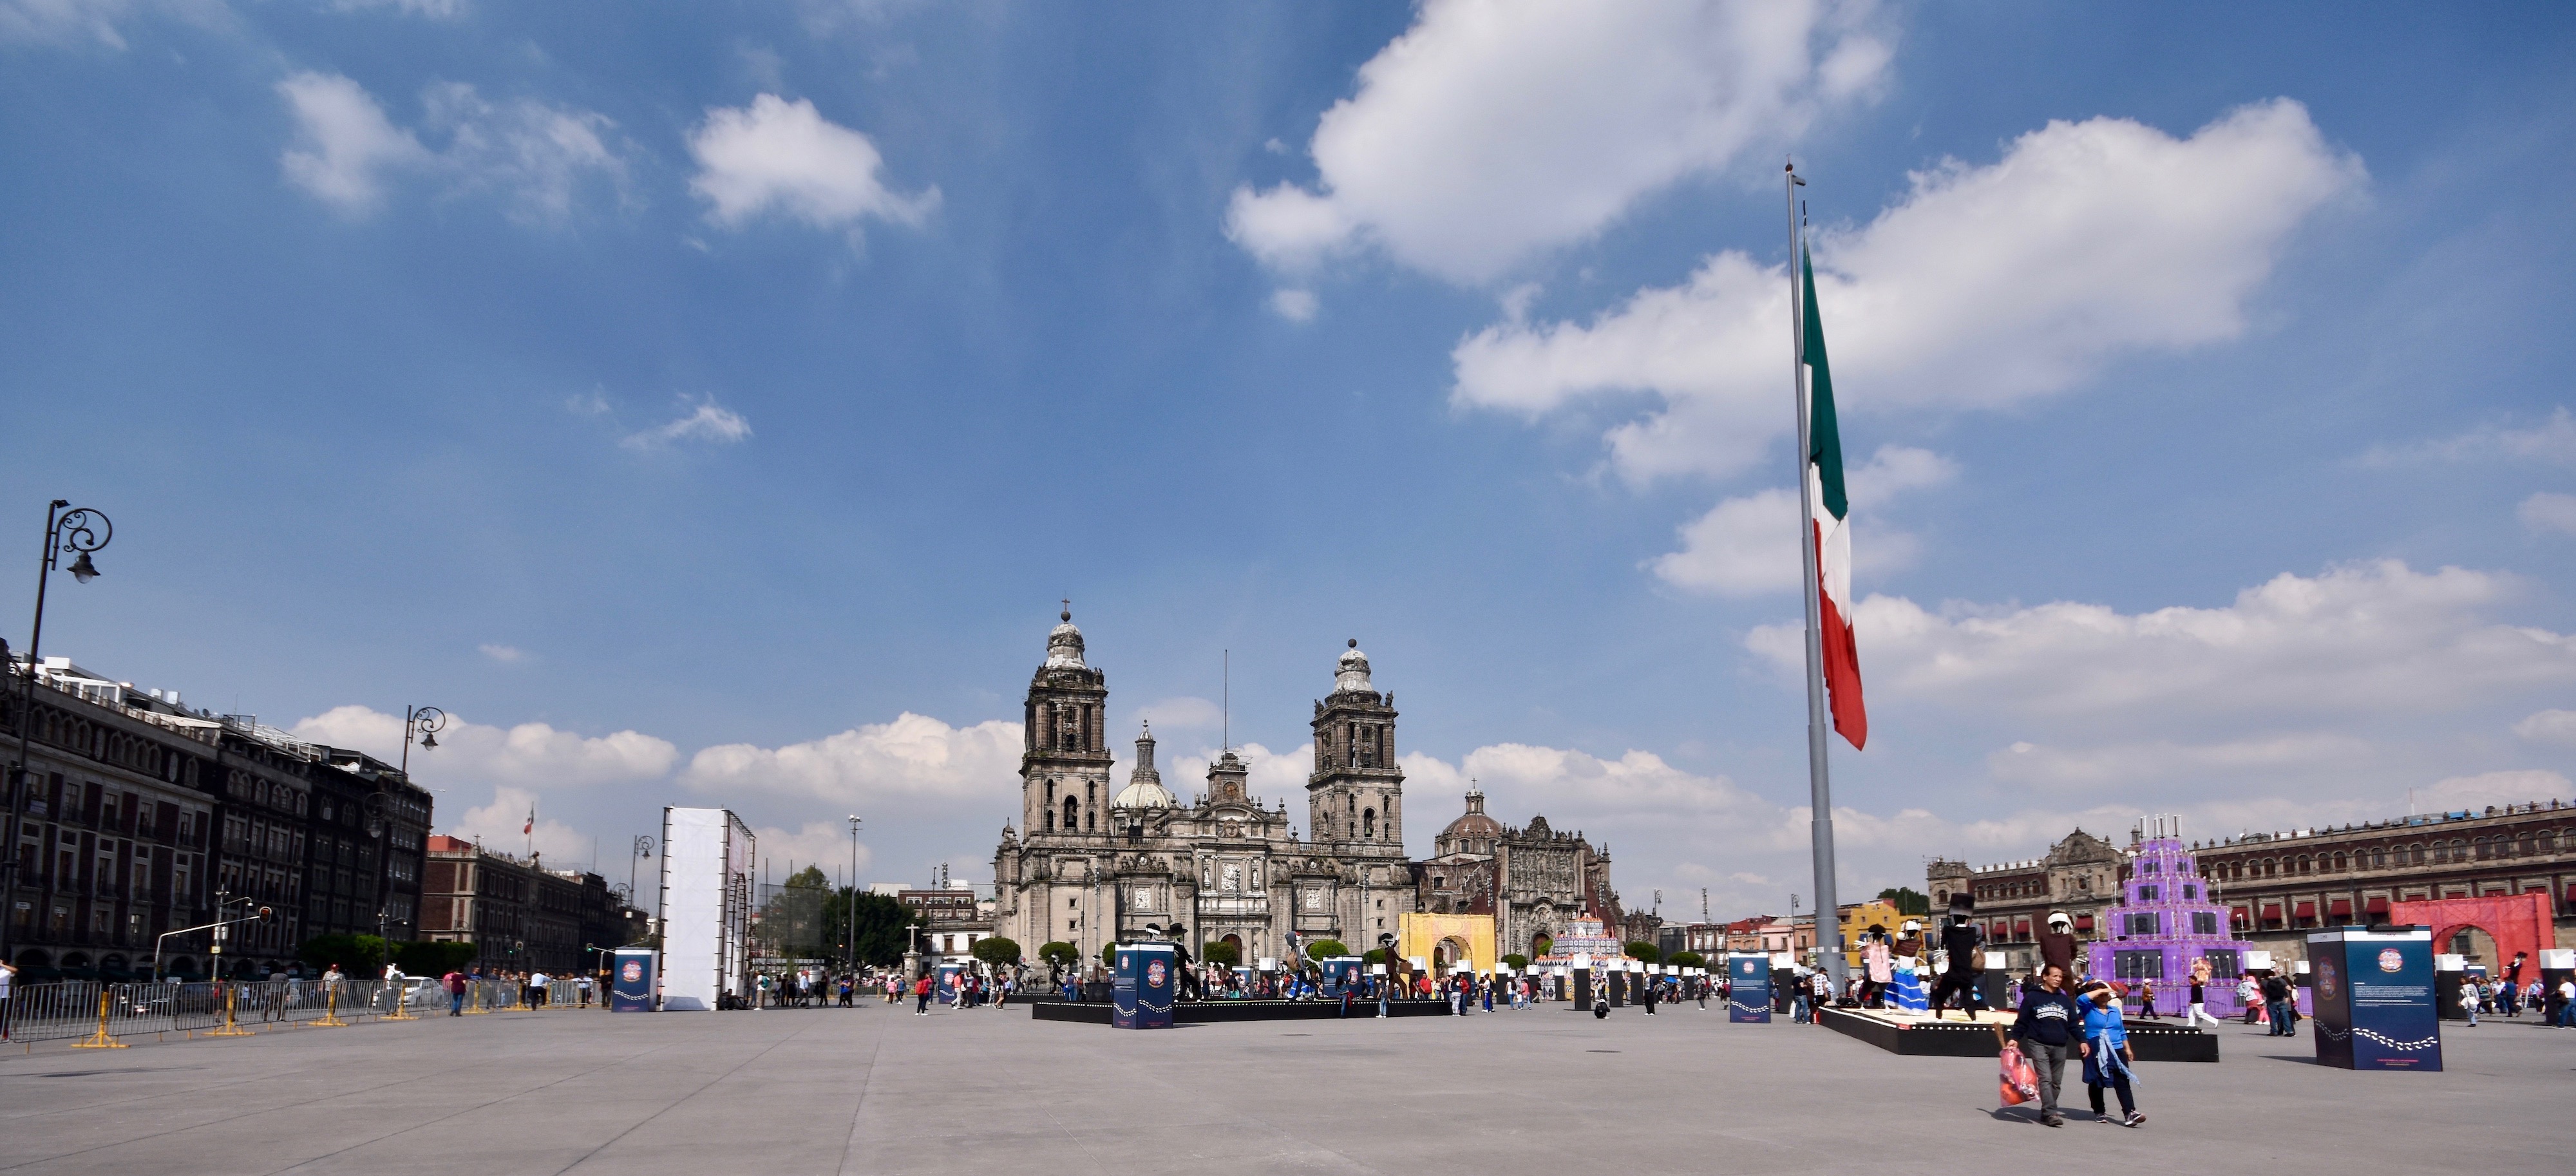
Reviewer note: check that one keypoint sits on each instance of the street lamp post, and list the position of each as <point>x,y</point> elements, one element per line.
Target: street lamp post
<point>850,949</point>
<point>643,849</point>
<point>423,723</point>
<point>81,531</point>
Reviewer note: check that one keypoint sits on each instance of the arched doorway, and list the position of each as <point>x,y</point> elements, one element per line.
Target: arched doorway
<point>1448,953</point>
<point>2470,941</point>
<point>1236,942</point>
<point>1541,944</point>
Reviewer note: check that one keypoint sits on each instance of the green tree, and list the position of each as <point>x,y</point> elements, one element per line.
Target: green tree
<point>361,957</point>
<point>432,959</point>
<point>884,926</point>
<point>1221,953</point>
<point>1643,950</point>
<point>1060,955</point>
<point>997,951</point>
<point>1688,959</point>
<point>1517,961</point>
<point>1374,955</point>
<point>1322,949</point>
<point>1906,900</point>
<point>1109,955</point>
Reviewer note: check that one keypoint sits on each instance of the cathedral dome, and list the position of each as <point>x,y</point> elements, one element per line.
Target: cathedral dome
<point>1474,823</point>
<point>1144,788</point>
<point>1064,644</point>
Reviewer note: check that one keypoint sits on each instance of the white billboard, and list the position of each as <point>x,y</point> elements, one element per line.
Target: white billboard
<point>707,856</point>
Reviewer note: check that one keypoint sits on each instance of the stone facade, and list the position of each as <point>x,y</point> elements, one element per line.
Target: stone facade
<point>1532,880</point>
<point>1086,867</point>
<point>2081,876</point>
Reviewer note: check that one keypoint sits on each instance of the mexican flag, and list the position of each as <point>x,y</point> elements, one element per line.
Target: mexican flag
<point>1832,534</point>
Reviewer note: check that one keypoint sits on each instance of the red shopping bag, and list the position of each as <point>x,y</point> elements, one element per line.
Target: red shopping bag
<point>2018,1081</point>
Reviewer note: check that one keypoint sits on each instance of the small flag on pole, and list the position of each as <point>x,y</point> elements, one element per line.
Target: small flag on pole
<point>531,827</point>
<point>1832,526</point>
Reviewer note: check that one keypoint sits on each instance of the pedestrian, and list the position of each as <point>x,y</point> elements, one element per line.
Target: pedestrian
<point>2276,999</point>
<point>2049,1022</point>
<point>7,974</point>
<point>2108,1058</point>
<point>1823,995</point>
<point>537,990</point>
<point>454,983</point>
<point>2565,1012</point>
<point>2147,999</point>
<point>2197,1010</point>
<point>1485,989</point>
<point>2250,996</point>
<point>1649,995</point>
<point>760,989</point>
<point>2469,1002</point>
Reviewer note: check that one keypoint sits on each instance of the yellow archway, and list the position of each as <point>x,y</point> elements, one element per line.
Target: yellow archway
<point>1420,936</point>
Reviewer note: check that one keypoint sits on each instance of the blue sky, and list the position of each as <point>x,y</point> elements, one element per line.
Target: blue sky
<point>712,406</point>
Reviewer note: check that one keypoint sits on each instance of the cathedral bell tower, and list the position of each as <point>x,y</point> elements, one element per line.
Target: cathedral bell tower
<point>1355,798</point>
<point>1065,760</point>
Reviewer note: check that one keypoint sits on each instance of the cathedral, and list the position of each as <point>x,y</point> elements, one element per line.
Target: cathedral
<point>1088,866</point>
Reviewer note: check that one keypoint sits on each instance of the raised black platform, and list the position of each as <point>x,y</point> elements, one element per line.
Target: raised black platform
<point>2150,1041</point>
<point>1211,1012</point>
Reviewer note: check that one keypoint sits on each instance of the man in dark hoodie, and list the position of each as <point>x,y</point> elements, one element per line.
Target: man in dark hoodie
<point>2049,1026</point>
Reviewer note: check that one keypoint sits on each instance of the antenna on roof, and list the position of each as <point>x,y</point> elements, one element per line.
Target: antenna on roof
<point>1225,709</point>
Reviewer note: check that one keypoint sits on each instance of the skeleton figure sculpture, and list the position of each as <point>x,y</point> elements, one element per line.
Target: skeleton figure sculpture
<point>1962,940</point>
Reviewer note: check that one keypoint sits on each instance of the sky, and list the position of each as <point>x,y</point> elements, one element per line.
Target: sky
<point>714,404</point>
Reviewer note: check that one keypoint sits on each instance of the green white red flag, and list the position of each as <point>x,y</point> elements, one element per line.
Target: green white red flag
<point>1831,526</point>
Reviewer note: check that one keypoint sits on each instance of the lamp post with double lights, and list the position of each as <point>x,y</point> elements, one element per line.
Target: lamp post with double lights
<point>81,531</point>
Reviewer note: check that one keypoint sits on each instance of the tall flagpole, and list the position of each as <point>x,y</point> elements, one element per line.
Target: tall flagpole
<point>1819,779</point>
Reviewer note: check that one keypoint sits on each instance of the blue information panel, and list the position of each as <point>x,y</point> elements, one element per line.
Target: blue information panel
<point>2374,999</point>
<point>630,981</point>
<point>1749,1001</point>
<point>1140,996</point>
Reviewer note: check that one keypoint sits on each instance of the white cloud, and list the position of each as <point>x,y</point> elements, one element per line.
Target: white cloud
<point>2164,762</point>
<point>912,764</point>
<point>2358,640</point>
<point>709,422</point>
<point>2549,512</point>
<point>824,844</point>
<point>2549,726</point>
<point>1184,713</point>
<point>347,151</point>
<point>504,654</point>
<point>498,826</point>
<point>1748,545</point>
<point>2496,788</point>
<point>58,22</point>
<point>785,157</point>
<point>2552,441</point>
<point>1489,132</point>
<point>533,755</point>
<point>346,143</point>
<point>1296,306</point>
<point>1982,287</point>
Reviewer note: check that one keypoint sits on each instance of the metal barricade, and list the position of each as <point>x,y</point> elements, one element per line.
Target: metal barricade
<point>73,1008</point>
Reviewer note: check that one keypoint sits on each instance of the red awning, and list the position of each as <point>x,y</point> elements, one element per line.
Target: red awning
<point>2376,906</point>
<point>2339,907</point>
<point>2271,910</point>
<point>2242,914</point>
<point>2083,922</point>
<point>2307,910</point>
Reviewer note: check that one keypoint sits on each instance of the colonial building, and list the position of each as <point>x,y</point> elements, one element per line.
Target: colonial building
<point>519,915</point>
<point>1531,879</point>
<point>2276,887</point>
<point>2080,876</point>
<point>1086,867</point>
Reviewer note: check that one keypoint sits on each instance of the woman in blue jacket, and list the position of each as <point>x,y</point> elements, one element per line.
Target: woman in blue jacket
<point>2050,1023</point>
<point>2107,1056</point>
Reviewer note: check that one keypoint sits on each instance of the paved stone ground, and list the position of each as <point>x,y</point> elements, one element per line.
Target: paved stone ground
<point>880,1091</point>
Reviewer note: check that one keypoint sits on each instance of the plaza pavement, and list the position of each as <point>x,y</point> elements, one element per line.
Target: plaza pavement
<point>877,1090</point>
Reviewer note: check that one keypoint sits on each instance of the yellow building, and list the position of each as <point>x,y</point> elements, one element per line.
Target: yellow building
<point>1442,941</point>
<point>1858,917</point>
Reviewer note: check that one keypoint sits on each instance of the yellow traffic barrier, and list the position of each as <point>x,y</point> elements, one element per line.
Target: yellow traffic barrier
<point>398,1014</point>
<point>231,1027</point>
<point>331,1009</point>
<point>100,1039</point>
<point>474,998</point>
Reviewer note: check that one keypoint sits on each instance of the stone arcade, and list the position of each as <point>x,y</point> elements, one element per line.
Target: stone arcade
<point>1087,865</point>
